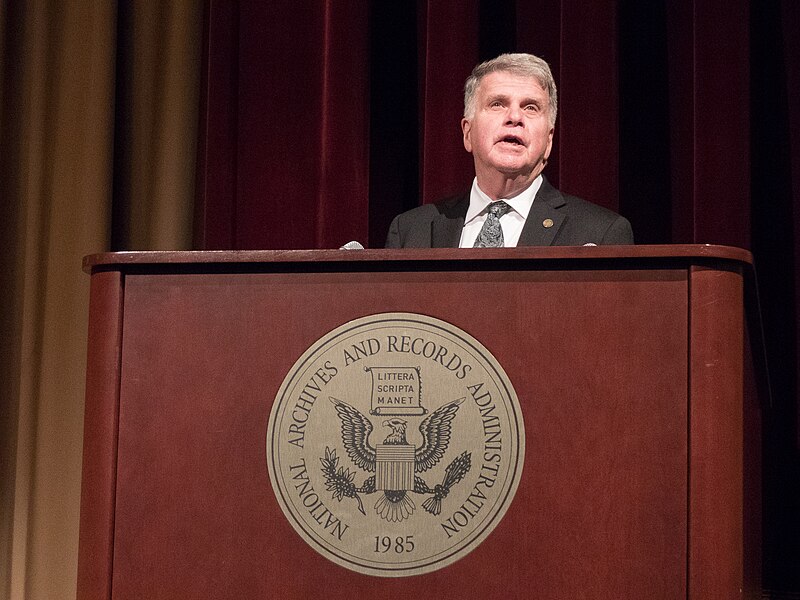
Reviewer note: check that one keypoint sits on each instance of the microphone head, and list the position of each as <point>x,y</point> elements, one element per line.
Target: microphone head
<point>352,246</point>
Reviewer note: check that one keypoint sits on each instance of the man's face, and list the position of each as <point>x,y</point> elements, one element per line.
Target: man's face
<point>510,130</point>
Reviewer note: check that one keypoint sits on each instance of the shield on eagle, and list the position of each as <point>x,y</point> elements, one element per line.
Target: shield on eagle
<point>394,467</point>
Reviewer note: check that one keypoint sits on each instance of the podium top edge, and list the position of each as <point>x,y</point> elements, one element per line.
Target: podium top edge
<point>687,252</point>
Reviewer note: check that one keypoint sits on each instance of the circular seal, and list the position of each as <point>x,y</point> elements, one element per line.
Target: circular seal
<point>395,444</point>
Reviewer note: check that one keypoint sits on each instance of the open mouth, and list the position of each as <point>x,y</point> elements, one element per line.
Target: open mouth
<point>512,139</point>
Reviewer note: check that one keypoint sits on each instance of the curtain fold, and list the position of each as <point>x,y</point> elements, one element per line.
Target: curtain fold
<point>301,138</point>
<point>588,120</point>
<point>57,109</point>
<point>444,164</point>
<point>157,95</point>
<point>59,78</point>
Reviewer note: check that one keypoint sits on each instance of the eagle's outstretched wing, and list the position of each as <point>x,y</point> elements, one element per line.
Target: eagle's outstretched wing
<point>435,432</point>
<point>355,435</point>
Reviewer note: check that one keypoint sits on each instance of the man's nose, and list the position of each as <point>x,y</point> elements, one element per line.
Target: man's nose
<point>514,115</point>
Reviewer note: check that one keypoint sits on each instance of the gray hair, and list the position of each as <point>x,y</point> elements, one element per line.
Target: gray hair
<point>523,65</point>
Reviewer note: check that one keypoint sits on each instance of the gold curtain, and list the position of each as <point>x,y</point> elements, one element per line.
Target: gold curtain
<point>66,82</point>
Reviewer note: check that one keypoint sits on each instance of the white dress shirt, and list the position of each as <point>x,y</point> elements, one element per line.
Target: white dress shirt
<point>512,222</point>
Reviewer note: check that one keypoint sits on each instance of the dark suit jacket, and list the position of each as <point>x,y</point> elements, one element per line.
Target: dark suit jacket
<point>575,222</point>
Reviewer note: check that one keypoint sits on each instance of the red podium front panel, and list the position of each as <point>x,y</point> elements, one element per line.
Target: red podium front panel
<point>627,364</point>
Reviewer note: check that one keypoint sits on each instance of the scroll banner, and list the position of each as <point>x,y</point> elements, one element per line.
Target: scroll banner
<point>396,391</point>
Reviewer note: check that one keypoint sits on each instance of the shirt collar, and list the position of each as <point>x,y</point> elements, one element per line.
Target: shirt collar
<point>521,203</point>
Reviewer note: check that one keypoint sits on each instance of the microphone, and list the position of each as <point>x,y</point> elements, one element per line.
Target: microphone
<point>354,245</point>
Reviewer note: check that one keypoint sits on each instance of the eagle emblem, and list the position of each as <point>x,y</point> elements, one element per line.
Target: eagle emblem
<point>396,465</point>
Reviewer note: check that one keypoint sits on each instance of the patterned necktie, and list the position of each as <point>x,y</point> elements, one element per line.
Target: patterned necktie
<point>491,234</point>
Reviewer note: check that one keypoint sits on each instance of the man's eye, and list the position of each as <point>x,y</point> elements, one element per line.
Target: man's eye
<point>531,108</point>
<point>496,104</point>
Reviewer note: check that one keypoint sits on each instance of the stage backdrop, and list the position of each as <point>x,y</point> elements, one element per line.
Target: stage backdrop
<point>320,120</point>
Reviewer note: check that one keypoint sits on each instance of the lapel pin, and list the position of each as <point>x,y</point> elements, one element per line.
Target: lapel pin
<point>548,223</point>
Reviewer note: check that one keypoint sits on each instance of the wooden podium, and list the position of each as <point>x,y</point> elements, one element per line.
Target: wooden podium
<point>640,477</point>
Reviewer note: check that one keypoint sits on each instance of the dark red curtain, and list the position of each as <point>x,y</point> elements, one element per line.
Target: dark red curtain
<point>322,119</point>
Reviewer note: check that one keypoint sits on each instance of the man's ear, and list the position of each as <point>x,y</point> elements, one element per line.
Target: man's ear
<point>466,126</point>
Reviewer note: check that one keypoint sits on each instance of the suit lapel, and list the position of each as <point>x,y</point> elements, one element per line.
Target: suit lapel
<point>544,220</point>
<point>446,228</point>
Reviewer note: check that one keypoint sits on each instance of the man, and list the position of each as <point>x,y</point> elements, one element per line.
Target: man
<point>510,105</point>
